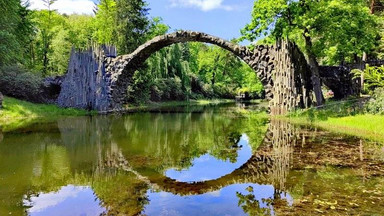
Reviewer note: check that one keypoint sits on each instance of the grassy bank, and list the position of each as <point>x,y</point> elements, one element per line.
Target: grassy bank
<point>17,113</point>
<point>155,105</point>
<point>342,117</point>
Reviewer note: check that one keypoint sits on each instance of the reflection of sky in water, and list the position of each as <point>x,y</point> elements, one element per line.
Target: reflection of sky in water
<point>222,202</point>
<point>208,167</point>
<point>69,200</point>
<point>81,201</point>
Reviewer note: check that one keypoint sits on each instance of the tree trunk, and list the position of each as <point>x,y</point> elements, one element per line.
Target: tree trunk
<point>372,6</point>
<point>362,69</point>
<point>315,71</point>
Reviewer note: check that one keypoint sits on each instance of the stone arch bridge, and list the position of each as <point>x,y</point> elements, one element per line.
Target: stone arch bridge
<point>98,80</point>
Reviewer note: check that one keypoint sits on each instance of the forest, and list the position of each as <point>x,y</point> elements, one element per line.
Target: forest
<point>37,44</point>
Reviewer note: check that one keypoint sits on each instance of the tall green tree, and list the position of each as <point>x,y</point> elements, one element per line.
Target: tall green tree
<point>16,31</point>
<point>46,34</point>
<point>105,22</point>
<point>48,24</point>
<point>132,24</point>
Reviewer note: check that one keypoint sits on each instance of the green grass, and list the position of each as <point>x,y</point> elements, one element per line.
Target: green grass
<point>364,125</point>
<point>342,117</point>
<point>18,113</point>
<point>152,105</point>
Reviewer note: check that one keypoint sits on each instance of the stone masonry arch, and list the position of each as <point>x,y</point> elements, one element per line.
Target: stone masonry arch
<point>281,68</point>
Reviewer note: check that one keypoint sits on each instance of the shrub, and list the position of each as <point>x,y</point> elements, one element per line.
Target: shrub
<point>168,89</point>
<point>253,92</point>
<point>138,91</point>
<point>373,77</point>
<point>17,82</point>
<point>376,103</point>
<point>222,91</point>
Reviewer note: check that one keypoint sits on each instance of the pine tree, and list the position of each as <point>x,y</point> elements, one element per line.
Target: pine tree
<point>132,24</point>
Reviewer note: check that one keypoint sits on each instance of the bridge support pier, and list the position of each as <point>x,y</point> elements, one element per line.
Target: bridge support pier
<point>291,80</point>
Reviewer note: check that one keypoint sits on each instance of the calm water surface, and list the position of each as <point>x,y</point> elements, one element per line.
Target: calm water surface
<point>187,161</point>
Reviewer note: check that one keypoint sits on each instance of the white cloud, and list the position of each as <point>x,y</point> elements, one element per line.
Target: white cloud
<point>46,200</point>
<point>66,6</point>
<point>204,5</point>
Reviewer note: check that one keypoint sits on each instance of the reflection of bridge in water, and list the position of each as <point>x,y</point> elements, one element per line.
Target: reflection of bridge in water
<point>269,165</point>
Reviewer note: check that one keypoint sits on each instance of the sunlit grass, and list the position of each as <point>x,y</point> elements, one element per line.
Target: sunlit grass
<point>177,103</point>
<point>17,113</point>
<point>362,125</point>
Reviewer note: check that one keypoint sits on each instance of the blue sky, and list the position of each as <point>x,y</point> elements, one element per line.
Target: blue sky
<point>223,18</point>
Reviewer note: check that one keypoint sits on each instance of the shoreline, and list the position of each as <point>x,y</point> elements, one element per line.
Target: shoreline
<point>17,114</point>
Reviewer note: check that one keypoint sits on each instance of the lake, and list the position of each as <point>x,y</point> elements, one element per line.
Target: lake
<point>201,160</point>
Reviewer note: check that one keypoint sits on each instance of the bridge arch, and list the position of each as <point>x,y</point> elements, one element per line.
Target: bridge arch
<point>261,59</point>
<point>282,69</point>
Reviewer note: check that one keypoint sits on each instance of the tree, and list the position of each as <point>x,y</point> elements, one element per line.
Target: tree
<point>105,22</point>
<point>16,31</point>
<point>46,34</point>
<point>132,24</point>
<point>328,30</point>
<point>81,30</point>
<point>48,25</point>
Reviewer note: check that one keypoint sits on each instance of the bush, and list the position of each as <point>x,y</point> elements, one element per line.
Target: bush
<point>253,93</point>
<point>376,103</point>
<point>138,91</point>
<point>222,91</point>
<point>373,77</point>
<point>168,89</point>
<point>17,82</point>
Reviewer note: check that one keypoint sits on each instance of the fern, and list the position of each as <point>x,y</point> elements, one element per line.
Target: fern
<point>373,77</point>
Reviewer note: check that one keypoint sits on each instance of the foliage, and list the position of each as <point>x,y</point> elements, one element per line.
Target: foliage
<point>167,89</point>
<point>16,31</point>
<point>376,103</point>
<point>104,22</point>
<point>132,24</point>
<point>178,72</point>
<point>373,77</point>
<point>139,90</point>
<point>17,82</point>
<point>339,30</point>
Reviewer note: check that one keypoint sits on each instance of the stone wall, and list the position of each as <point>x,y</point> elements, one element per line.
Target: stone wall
<point>291,80</point>
<point>85,84</point>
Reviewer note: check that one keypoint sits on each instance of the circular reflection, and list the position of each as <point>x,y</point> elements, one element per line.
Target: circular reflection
<point>208,167</point>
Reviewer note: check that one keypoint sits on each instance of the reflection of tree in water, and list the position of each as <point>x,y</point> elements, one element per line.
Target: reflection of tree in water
<point>121,193</point>
<point>278,146</point>
<point>250,204</point>
<point>175,140</point>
